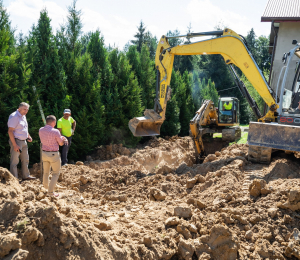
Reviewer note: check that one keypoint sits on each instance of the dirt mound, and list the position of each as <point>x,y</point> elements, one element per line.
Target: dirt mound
<point>156,203</point>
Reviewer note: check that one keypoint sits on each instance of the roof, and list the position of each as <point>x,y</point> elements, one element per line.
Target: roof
<point>281,10</point>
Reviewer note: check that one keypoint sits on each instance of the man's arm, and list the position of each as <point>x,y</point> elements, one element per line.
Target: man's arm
<point>61,140</point>
<point>12,139</point>
<point>29,139</point>
<point>73,126</point>
<point>59,125</point>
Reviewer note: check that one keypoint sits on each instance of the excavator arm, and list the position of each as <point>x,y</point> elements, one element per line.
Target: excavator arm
<point>234,51</point>
<point>205,112</point>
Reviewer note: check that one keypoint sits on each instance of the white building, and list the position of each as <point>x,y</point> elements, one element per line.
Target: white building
<point>284,16</point>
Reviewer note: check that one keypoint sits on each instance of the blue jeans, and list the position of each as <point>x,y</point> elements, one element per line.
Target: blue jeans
<point>65,150</point>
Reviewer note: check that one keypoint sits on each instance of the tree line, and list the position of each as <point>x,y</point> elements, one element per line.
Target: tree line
<point>104,86</point>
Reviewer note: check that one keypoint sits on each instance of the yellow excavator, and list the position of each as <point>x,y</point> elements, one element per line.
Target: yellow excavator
<point>209,119</point>
<point>278,129</point>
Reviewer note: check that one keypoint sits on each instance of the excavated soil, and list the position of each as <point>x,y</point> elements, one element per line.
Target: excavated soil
<point>156,203</point>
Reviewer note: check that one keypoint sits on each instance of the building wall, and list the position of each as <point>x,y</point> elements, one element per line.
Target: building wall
<point>288,31</point>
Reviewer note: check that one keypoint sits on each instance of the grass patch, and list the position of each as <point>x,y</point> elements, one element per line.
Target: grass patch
<point>242,140</point>
<point>22,225</point>
<point>218,135</point>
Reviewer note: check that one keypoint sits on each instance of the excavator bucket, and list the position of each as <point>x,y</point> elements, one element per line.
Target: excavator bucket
<point>276,136</point>
<point>147,125</point>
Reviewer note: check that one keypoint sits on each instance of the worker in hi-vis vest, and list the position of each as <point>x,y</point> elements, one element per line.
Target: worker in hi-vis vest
<point>227,113</point>
<point>227,106</point>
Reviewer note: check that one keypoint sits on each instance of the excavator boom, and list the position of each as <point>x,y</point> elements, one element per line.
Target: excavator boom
<point>197,121</point>
<point>234,51</point>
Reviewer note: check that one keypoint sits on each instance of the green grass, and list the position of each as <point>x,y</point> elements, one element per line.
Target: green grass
<point>22,225</point>
<point>218,135</point>
<point>242,140</point>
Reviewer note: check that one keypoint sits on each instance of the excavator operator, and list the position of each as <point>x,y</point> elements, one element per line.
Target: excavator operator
<point>227,113</point>
<point>227,106</point>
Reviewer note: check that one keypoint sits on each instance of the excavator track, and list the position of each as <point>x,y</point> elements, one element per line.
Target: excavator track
<point>231,134</point>
<point>259,154</point>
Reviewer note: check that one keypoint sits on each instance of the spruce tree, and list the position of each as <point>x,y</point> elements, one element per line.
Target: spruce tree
<point>174,42</point>
<point>102,71</point>
<point>48,75</point>
<point>151,43</point>
<point>208,91</point>
<point>128,94</point>
<point>144,69</point>
<point>74,28</point>
<point>186,62</point>
<point>87,109</point>
<point>147,78</point>
<point>134,59</point>
<point>196,90</point>
<point>187,106</point>
<point>68,43</point>
<point>140,36</point>
<point>262,50</point>
<point>251,43</point>
<point>171,125</point>
<point>143,37</point>
<point>117,116</point>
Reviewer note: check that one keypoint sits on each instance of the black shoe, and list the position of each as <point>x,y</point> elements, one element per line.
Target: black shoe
<point>29,178</point>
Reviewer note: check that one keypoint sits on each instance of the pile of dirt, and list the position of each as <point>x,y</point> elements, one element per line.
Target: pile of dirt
<point>156,203</point>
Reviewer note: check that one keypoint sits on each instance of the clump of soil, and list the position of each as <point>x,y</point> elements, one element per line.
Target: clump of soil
<point>156,203</point>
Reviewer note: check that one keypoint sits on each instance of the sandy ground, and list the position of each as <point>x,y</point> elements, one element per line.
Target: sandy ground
<point>156,203</point>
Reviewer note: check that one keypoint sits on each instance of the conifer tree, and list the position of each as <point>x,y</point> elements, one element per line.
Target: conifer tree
<point>47,72</point>
<point>208,91</point>
<point>147,78</point>
<point>74,28</point>
<point>140,36</point>
<point>144,70</point>
<point>196,90</point>
<point>263,55</point>
<point>151,43</point>
<point>174,42</point>
<point>171,125</point>
<point>99,56</point>
<point>118,116</point>
<point>186,62</point>
<point>143,37</point>
<point>68,43</point>
<point>134,59</point>
<point>102,71</point>
<point>187,105</point>
<point>128,93</point>
<point>86,108</point>
<point>251,43</point>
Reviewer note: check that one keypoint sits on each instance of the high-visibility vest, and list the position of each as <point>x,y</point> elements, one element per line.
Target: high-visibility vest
<point>228,107</point>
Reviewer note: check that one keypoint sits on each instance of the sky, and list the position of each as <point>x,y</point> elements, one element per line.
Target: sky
<point>118,19</point>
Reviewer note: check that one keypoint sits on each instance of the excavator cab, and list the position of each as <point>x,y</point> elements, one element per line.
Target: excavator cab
<point>228,111</point>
